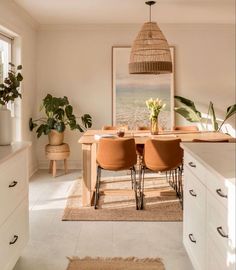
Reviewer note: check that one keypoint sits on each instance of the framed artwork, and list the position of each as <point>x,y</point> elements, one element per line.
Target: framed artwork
<point>130,91</point>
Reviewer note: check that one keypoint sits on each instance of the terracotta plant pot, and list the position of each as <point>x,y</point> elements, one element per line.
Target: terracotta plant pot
<point>5,126</point>
<point>55,137</point>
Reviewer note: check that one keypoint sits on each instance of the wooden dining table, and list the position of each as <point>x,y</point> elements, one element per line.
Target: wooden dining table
<point>90,138</point>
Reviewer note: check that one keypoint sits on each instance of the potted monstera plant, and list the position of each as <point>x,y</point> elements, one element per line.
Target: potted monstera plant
<point>9,91</point>
<point>58,115</point>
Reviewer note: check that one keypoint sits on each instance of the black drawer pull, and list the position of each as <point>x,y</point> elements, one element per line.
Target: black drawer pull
<point>192,238</point>
<point>220,193</point>
<point>14,183</point>
<point>191,164</point>
<point>191,191</point>
<point>15,238</point>
<point>221,232</point>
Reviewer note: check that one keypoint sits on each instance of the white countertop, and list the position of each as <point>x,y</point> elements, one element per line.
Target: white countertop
<point>217,157</point>
<point>8,151</point>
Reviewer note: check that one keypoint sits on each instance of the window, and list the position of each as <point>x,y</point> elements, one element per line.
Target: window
<point>8,44</point>
<point>5,58</point>
<point>5,55</point>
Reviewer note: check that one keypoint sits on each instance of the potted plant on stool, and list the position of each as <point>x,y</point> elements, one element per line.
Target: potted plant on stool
<point>59,114</point>
<point>9,91</point>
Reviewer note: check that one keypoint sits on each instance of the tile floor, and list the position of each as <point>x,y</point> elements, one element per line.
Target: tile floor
<point>52,240</point>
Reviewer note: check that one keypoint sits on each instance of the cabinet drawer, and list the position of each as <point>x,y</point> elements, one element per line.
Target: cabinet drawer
<point>194,191</point>
<point>221,189</point>
<point>13,184</point>
<point>217,258</point>
<point>14,236</point>
<point>194,238</point>
<point>221,230</point>
<point>195,167</point>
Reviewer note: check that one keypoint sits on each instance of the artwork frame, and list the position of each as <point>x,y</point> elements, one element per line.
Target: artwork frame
<point>120,59</point>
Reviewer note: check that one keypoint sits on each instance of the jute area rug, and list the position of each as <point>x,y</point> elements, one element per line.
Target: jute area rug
<point>115,264</point>
<point>117,202</point>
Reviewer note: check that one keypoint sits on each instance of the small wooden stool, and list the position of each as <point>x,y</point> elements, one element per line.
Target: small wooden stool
<point>57,152</point>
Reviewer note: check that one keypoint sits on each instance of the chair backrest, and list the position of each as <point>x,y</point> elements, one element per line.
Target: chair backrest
<point>125,127</point>
<point>186,128</point>
<point>148,128</point>
<point>212,141</point>
<point>163,155</point>
<point>143,128</point>
<point>109,128</point>
<point>116,153</point>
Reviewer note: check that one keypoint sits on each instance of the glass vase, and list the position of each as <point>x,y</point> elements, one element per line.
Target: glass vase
<point>154,125</point>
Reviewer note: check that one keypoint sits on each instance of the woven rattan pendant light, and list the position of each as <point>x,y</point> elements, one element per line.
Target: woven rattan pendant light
<point>150,53</point>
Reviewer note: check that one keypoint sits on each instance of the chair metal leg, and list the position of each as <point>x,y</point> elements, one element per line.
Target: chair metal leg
<point>139,188</point>
<point>170,179</point>
<point>96,197</point>
<point>176,182</point>
<point>142,188</point>
<point>140,191</point>
<point>134,181</point>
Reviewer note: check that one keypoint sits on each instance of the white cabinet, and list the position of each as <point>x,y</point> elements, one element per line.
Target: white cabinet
<point>14,213</point>
<point>209,206</point>
<point>194,218</point>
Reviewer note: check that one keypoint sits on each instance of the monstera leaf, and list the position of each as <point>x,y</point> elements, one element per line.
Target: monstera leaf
<point>32,125</point>
<point>87,120</point>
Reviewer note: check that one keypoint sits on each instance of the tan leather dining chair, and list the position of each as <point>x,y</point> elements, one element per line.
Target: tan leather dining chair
<point>125,127</point>
<point>211,141</point>
<point>148,128</point>
<point>186,128</point>
<point>143,128</point>
<point>116,154</point>
<point>164,156</point>
<point>140,147</point>
<point>109,128</point>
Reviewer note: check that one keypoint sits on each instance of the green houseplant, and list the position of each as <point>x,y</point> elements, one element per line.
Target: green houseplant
<point>189,111</point>
<point>9,91</point>
<point>59,115</point>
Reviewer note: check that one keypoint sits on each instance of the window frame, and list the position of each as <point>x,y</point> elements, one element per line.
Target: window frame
<point>9,40</point>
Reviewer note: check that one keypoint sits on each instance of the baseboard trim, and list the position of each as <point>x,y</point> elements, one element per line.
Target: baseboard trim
<point>33,170</point>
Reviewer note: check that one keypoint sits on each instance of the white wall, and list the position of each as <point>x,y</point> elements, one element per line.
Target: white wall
<point>76,61</point>
<point>14,19</point>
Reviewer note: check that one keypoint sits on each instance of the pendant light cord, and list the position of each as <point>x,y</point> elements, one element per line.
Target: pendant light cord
<point>150,13</point>
<point>150,3</point>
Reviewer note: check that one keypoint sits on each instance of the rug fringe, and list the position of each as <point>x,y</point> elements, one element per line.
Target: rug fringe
<point>112,259</point>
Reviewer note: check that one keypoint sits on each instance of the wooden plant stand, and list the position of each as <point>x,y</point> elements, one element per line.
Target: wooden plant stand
<point>57,152</point>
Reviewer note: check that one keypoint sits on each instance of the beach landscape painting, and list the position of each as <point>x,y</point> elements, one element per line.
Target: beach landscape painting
<point>130,91</point>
